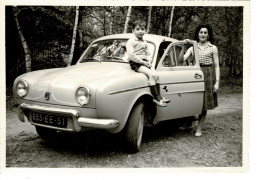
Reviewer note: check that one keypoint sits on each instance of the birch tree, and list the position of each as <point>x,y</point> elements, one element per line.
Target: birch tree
<point>149,19</point>
<point>171,18</point>
<point>73,37</point>
<point>28,59</point>
<point>127,18</point>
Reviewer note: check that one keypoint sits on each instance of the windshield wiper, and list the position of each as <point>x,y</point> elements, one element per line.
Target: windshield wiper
<point>90,59</point>
<point>117,58</point>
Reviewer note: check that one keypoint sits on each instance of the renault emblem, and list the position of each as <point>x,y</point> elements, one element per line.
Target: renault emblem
<point>47,95</point>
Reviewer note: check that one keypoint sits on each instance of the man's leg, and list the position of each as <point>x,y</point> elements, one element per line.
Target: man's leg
<point>148,73</point>
<point>151,76</point>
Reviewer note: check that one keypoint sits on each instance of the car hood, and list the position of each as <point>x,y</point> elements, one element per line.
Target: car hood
<point>62,83</point>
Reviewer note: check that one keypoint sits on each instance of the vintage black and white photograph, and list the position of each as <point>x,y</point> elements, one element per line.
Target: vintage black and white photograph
<point>125,86</point>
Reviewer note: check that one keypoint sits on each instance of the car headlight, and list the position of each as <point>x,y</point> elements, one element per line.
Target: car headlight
<point>22,88</point>
<point>83,95</point>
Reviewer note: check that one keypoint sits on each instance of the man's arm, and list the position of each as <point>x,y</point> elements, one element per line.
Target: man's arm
<point>148,54</point>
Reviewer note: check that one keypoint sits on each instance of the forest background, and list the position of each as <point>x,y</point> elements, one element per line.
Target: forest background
<point>41,37</point>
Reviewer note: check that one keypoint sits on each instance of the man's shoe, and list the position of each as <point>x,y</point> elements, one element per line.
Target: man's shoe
<point>159,103</point>
<point>166,100</point>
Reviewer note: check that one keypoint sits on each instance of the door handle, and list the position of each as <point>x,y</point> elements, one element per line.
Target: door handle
<point>197,76</point>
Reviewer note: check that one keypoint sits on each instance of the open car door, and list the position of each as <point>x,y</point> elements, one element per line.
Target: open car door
<point>180,81</point>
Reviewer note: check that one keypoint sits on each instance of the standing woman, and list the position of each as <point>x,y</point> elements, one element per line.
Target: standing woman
<point>209,63</point>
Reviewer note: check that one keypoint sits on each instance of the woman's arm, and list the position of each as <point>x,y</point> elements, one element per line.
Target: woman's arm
<point>217,70</point>
<point>188,53</point>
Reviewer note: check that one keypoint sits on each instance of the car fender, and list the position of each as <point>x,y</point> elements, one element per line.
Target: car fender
<point>118,104</point>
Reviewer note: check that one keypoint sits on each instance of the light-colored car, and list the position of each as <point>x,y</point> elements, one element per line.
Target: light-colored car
<point>102,92</point>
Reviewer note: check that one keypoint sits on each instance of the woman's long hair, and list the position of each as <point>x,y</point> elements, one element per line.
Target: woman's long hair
<point>196,35</point>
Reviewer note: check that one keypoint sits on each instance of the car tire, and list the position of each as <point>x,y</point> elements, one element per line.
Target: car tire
<point>134,128</point>
<point>46,134</point>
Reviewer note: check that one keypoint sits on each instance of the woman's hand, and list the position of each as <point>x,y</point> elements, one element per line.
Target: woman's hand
<point>187,40</point>
<point>216,87</point>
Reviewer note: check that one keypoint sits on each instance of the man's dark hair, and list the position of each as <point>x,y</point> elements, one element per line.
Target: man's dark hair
<point>208,27</point>
<point>139,22</point>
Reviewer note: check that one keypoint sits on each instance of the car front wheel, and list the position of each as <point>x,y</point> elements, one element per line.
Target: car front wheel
<point>46,134</point>
<point>134,128</point>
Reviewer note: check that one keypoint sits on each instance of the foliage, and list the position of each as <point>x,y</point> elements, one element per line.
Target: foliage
<point>48,31</point>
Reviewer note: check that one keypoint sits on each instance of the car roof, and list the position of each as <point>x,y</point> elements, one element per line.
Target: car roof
<point>148,37</point>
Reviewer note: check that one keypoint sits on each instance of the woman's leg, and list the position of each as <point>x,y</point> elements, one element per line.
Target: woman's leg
<point>201,121</point>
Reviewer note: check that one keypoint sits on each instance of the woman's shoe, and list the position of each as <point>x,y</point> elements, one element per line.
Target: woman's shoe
<point>185,127</point>
<point>198,134</point>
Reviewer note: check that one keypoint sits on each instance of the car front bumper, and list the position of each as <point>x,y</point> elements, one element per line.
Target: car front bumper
<point>76,122</point>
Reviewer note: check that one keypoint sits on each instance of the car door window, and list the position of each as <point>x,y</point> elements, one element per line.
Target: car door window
<point>170,59</point>
<point>175,56</point>
<point>181,51</point>
<point>163,46</point>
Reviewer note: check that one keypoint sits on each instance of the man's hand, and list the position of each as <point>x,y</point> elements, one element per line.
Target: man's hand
<point>148,64</point>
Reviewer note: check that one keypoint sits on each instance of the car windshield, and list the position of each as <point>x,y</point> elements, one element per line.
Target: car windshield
<point>110,50</point>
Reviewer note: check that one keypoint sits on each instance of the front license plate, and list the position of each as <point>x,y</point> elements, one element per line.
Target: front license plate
<point>49,119</point>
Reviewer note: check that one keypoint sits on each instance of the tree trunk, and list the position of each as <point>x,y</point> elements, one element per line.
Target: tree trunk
<point>73,37</point>
<point>156,19</point>
<point>234,56</point>
<point>104,22</point>
<point>149,19</point>
<point>111,21</point>
<point>80,40</point>
<point>80,30</point>
<point>229,44</point>
<point>127,18</point>
<point>205,19</point>
<point>171,18</point>
<point>27,53</point>
<point>164,21</point>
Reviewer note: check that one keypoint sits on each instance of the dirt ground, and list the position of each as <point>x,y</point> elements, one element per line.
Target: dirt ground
<point>164,145</point>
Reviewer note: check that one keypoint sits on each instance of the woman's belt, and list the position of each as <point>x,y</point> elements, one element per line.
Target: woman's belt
<point>205,65</point>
